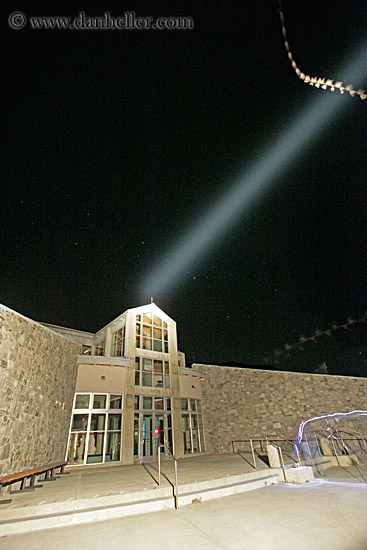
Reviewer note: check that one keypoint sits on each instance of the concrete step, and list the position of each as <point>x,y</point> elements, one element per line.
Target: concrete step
<point>24,519</point>
<point>59,514</point>
<point>223,488</point>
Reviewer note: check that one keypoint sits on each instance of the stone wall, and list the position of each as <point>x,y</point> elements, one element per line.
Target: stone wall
<point>38,370</point>
<point>243,403</point>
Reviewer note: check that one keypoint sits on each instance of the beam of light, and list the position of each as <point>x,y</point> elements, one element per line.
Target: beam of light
<point>271,164</point>
<point>336,416</point>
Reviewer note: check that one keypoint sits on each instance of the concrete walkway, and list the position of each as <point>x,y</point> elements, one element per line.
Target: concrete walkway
<point>94,482</point>
<point>329,513</point>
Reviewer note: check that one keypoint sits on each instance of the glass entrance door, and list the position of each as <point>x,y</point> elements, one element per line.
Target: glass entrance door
<point>147,436</point>
<point>152,428</point>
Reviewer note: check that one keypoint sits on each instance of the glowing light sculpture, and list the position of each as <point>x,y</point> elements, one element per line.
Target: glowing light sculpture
<point>336,416</point>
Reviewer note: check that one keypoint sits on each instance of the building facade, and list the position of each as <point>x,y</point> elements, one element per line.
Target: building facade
<point>124,394</point>
<point>133,396</point>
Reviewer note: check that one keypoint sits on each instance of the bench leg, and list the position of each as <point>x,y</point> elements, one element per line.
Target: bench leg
<point>23,488</point>
<point>62,471</point>
<point>50,475</point>
<point>33,480</point>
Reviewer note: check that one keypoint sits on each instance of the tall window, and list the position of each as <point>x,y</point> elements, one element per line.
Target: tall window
<point>151,373</point>
<point>192,425</point>
<point>151,333</point>
<point>95,430</point>
<point>100,348</point>
<point>118,343</point>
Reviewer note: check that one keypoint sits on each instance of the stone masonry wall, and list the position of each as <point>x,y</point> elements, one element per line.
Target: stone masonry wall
<point>38,370</point>
<point>243,403</point>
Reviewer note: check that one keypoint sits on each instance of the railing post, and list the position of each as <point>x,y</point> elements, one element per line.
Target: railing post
<point>253,453</point>
<point>159,466</point>
<point>282,463</point>
<point>176,485</point>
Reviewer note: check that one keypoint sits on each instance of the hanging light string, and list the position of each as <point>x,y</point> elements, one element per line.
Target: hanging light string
<point>313,338</point>
<point>314,80</point>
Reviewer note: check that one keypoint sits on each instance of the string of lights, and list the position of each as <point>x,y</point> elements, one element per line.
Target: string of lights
<point>314,80</point>
<point>313,337</point>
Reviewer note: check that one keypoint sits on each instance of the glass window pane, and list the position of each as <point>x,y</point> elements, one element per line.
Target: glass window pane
<point>147,331</point>
<point>158,367</point>
<point>169,439</point>
<point>100,348</point>
<point>147,343</point>
<point>76,448</point>
<point>97,422</point>
<point>147,379</point>
<point>136,402</point>
<point>95,448</point>
<point>200,420</point>
<point>137,363</point>
<point>99,401</point>
<point>168,404</point>
<point>194,420</point>
<point>114,422</point>
<point>137,378</point>
<point>169,420</point>
<point>185,421</point>
<point>79,423</point>
<point>185,404</point>
<point>165,332</point>
<point>115,401</point>
<point>167,381</point>
<point>113,447</point>
<point>82,401</point>
<point>118,350</point>
<point>166,367</point>
<point>158,403</point>
<point>147,403</point>
<point>147,318</point>
<point>158,381</point>
<point>157,333</point>
<point>138,317</point>
<point>157,321</point>
<point>86,350</point>
<point>198,403</point>
<point>138,341</point>
<point>166,347</point>
<point>157,345</point>
<point>147,365</point>
<point>164,324</point>
<point>137,329</point>
<point>193,404</point>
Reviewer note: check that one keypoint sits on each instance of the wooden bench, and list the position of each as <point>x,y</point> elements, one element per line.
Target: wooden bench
<point>22,477</point>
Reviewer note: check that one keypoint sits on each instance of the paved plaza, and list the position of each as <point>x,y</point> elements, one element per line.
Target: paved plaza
<point>329,513</point>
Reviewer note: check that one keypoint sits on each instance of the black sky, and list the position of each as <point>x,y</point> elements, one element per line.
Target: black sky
<point>116,142</point>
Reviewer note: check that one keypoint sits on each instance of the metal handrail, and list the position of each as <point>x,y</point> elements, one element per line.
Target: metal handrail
<point>267,441</point>
<point>280,454</point>
<point>175,486</point>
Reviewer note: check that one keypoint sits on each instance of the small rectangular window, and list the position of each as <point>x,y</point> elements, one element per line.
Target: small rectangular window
<point>158,403</point>
<point>81,401</point>
<point>99,402</point>
<point>79,422</point>
<point>157,321</point>
<point>97,422</point>
<point>185,404</point>
<point>116,402</point>
<point>114,422</point>
<point>147,403</point>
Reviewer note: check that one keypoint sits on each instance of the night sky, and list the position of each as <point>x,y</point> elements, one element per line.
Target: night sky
<point>116,144</point>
